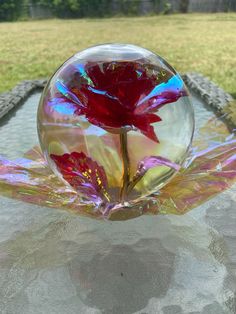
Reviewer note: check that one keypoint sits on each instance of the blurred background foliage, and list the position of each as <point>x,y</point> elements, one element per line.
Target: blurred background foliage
<point>10,9</point>
<point>204,43</point>
<point>22,9</point>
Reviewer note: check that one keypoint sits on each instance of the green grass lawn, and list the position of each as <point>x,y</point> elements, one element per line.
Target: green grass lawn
<point>203,43</point>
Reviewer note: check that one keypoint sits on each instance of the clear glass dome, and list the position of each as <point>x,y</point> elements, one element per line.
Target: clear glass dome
<point>115,123</point>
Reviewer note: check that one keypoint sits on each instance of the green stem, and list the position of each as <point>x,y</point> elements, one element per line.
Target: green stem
<point>133,183</point>
<point>126,165</point>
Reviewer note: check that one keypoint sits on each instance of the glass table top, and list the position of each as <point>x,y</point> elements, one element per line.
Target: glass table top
<point>54,262</point>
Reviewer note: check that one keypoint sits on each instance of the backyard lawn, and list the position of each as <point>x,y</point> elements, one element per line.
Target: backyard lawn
<point>203,43</point>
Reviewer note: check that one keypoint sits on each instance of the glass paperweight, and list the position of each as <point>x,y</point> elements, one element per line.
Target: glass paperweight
<point>115,123</point>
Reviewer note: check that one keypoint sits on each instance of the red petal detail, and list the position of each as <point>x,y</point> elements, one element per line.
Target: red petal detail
<point>150,133</point>
<point>83,174</point>
<point>152,118</point>
<point>114,98</point>
<point>143,123</point>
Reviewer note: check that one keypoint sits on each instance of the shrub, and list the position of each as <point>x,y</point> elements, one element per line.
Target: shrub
<point>10,9</point>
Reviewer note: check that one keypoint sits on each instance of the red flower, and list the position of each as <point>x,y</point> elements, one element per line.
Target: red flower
<point>83,174</point>
<point>118,94</point>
